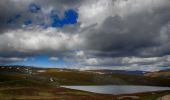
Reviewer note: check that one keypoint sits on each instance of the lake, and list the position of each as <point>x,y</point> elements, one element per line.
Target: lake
<point>118,89</point>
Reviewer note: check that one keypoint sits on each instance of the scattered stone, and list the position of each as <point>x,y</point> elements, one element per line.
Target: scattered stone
<point>51,79</point>
<point>128,97</point>
<point>166,97</point>
<point>41,71</point>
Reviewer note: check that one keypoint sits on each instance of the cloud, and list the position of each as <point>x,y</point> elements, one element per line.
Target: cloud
<point>70,17</point>
<point>27,41</point>
<point>11,59</point>
<point>40,9</point>
<point>54,58</point>
<point>131,35</point>
<point>91,10</point>
<point>98,33</point>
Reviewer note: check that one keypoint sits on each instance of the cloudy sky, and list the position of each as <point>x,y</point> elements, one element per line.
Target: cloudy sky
<point>86,34</point>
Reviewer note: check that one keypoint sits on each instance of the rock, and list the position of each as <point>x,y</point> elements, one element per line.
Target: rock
<point>166,97</point>
<point>128,97</point>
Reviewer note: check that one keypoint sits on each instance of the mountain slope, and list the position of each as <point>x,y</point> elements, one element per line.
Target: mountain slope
<point>163,74</point>
<point>54,76</point>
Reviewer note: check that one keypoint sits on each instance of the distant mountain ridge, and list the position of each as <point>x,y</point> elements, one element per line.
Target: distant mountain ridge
<point>137,72</point>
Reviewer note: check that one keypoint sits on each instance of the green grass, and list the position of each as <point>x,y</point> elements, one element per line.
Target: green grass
<point>23,82</point>
<point>84,78</point>
<point>78,78</point>
<point>72,78</point>
<point>12,93</point>
<point>142,80</point>
<point>154,96</point>
<point>38,85</point>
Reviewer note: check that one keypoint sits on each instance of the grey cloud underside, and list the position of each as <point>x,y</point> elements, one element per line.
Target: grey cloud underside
<point>132,35</point>
<point>12,7</point>
<point>107,38</point>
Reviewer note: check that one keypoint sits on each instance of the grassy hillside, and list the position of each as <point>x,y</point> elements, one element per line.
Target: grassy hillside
<point>36,93</point>
<point>89,78</point>
<point>43,84</point>
<point>142,80</point>
<point>74,77</point>
<point>164,74</point>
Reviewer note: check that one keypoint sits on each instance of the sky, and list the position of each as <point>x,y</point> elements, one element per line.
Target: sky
<point>86,34</point>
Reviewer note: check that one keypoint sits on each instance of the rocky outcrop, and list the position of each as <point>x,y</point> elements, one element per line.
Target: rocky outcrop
<point>166,97</point>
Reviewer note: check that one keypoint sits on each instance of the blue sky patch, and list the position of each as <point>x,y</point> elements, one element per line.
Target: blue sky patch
<point>18,16</point>
<point>14,19</point>
<point>34,8</point>
<point>43,61</point>
<point>70,17</point>
<point>28,22</point>
<point>44,25</point>
<point>56,21</point>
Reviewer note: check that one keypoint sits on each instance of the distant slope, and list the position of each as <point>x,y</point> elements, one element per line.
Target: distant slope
<point>30,83</point>
<point>54,76</point>
<point>164,74</point>
<point>137,72</point>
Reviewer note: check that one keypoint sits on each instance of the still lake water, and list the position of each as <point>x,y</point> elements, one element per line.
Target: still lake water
<point>118,89</point>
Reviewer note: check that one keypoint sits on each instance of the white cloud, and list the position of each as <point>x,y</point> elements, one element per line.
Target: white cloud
<point>91,61</point>
<point>54,58</point>
<point>12,59</point>
<point>122,63</point>
<point>80,53</point>
<point>129,60</point>
<point>128,68</point>
<point>38,40</point>
<point>96,11</point>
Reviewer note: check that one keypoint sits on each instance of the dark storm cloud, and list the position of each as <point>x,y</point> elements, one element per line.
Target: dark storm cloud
<point>11,8</point>
<point>61,2</point>
<point>104,32</point>
<point>129,36</point>
<point>15,13</point>
<point>5,13</point>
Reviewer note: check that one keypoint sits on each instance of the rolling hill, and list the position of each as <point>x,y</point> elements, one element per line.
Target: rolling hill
<point>55,76</point>
<point>31,83</point>
<point>162,74</point>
